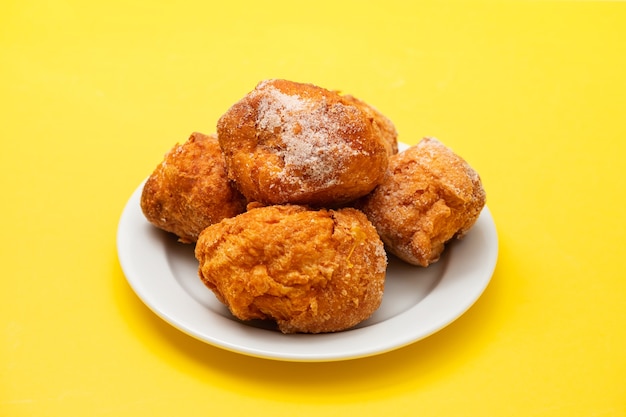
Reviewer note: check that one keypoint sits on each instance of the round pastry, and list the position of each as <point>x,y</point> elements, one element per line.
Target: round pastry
<point>287,142</point>
<point>310,271</point>
<point>429,196</point>
<point>189,190</point>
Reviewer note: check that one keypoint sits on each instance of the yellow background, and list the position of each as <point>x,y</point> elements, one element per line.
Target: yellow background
<point>533,95</point>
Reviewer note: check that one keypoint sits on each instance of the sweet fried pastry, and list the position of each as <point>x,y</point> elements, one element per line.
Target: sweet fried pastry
<point>189,190</point>
<point>287,142</point>
<point>310,271</point>
<point>429,196</point>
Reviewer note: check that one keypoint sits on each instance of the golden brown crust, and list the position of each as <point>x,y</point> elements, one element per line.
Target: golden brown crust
<point>310,271</point>
<point>387,129</point>
<point>429,196</point>
<point>189,189</point>
<point>288,142</point>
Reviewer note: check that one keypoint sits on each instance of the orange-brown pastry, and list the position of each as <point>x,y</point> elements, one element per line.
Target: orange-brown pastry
<point>310,271</point>
<point>287,142</point>
<point>387,128</point>
<point>189,190</point>
<point>429,196</point>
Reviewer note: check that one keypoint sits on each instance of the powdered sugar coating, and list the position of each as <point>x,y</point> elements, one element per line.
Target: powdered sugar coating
<point>289,142</point>
<point>310,154</point>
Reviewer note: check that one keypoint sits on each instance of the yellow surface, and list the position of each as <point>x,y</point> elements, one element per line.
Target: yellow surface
<point>533,95</point>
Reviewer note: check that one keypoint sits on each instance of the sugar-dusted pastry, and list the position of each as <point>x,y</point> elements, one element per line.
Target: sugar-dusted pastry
<point>429,196</point>
<point>288,142</point>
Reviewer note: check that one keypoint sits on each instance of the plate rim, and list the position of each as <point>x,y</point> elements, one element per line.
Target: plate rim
<point>133,245</point>
<point>169,301</point>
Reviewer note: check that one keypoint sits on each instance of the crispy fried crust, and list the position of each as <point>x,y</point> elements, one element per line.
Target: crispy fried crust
<point>429,196</point>
<point>310,271</point>
<point>288,142</point>
<point>387,128</point>
<point>189,190</point>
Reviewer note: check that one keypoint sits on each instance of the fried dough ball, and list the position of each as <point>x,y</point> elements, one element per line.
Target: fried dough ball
<point>189,190</point>
<point>288,142</point>
<point>311,271</point>
<point>429,196</point>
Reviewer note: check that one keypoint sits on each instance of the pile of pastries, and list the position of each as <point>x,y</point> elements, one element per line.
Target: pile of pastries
<point>296,199</point>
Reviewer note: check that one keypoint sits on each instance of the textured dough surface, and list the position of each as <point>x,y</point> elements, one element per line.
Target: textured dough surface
<point>288,142</point>
<point>429,196</point>
<point>387,129</point>
<point>311,271</point>
<point>189,190</point>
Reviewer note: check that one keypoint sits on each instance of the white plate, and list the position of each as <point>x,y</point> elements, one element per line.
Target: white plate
<point>417,301</point>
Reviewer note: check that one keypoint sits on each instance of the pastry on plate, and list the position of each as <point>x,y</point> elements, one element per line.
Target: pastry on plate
<point>429,196</point>
<point>189,190</point>
<point>310,271</point>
